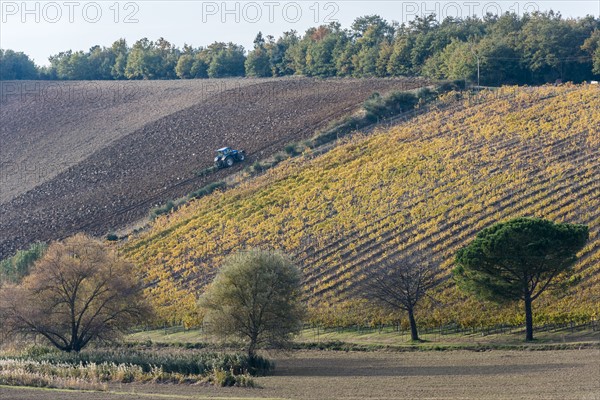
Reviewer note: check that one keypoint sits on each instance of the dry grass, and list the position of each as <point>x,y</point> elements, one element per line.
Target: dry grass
<point>512,338</point>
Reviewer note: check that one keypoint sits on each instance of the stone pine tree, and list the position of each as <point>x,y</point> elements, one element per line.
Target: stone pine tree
<point>518,260</point>
<point>255,297</point>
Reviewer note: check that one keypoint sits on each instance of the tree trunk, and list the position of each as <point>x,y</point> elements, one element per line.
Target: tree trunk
<point>528,318</point>
<point>252,348</point>
<point>414,334</point>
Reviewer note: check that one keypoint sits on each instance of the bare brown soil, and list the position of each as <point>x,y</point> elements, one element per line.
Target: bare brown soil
<point>573,374</point>
<point>94,157</point>
<point>49,126</point>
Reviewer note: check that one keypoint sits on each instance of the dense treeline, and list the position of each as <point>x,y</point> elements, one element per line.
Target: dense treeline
<point>510,49</point>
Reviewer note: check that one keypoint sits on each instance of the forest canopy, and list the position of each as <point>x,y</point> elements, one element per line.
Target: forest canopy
<point>509,49</point>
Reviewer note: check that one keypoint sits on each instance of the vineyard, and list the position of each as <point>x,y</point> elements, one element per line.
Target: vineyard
<point>422,189</point>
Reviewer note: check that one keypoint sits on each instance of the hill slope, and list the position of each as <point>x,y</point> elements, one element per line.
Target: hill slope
<point>72,161</point>
<point>424,188</point>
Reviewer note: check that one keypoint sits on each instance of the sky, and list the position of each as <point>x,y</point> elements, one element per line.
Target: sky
<point>44,28</point>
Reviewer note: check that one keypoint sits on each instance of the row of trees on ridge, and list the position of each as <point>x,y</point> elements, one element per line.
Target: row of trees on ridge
<point>510,49</point>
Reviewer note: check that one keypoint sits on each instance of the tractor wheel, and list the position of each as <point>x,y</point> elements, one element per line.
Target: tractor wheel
<point>241,156</point>
<point>229,161</point>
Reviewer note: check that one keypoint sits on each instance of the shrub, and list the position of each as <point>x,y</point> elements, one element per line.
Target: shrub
<point>259,167</point>
<point>460,84</point>
<point>307,144</point>
<point>111,237</point>
<point>390,105</point>
<point>446,87</point>
<point>244,380</point>
<point>165,209</point>
<point>206,190</point>
<point>16,267</point>
<point>398,102</point>
<point>290,149</point>
<point>37,351</point>
<point>182,362</point>
<point>223,378</point>
<point>279,157</point>
<point>426,94</point>
<point>25,373</point>
<point>207,171</point>
<point>227,379</point>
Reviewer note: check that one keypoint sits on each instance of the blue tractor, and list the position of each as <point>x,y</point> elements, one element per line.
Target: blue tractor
<point>226,157</point>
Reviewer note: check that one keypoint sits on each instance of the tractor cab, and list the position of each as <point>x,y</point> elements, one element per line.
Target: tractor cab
<point>224,152</point>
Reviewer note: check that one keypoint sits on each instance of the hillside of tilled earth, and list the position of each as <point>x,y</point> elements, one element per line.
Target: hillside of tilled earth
<point>48,127</point>
<point>95,156</point>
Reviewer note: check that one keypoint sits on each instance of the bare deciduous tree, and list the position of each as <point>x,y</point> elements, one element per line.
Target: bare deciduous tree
<point>400,285</point>
<point>78,292</point>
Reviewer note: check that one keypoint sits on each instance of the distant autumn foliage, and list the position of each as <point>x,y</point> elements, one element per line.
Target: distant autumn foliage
<point>80,291</point>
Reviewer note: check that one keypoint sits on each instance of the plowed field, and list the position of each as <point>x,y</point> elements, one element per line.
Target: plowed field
<point>461,375</point>
<point>94,156</point>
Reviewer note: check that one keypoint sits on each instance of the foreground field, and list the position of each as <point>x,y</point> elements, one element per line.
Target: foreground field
<point>544,375</point>
<point>93,156</point>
